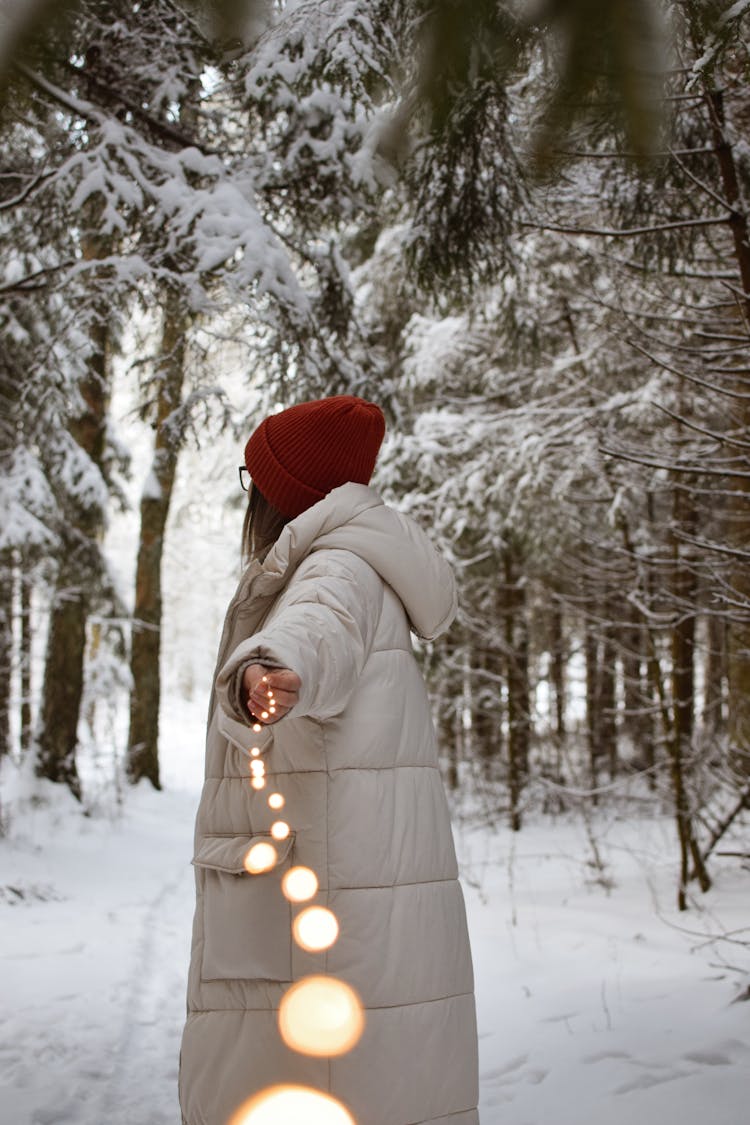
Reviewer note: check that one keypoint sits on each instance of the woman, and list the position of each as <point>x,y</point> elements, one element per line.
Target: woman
<point>321,620</point>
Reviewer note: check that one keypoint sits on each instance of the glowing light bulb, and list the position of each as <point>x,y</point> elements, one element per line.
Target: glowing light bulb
<point>279,830</point>
<point>261,857</point>
<point>258,782</point>
<point>321,1016</point>
<point>289,1105</point>
<point>255,751</point>
<point>276,801</point>
<point>264,714</point>
<point>257,727</point>
<point>316,928</point>
<point>257,769</point>
<point>272,710</point>
<point>299,884</point>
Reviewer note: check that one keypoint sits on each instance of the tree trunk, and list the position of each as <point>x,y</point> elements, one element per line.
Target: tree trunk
<point>6,649</point>
<point>10,387</point>
<point>455,742</point>
<point>447,741</point>
<point>608,700</point>
<point>57,735</point>
<point>487,709</point>
<point>593,716</point>
<point>519,718</point>
<point>638,723</point>
<point>24,658</point>
<point>738,521</point>
<point>650,757</point>
<point>632,686</point>
<point>557,679</point>
<point>684,595</point>
<point>25,662</point>
<point>62,689</point>
<point>143,737</point>
<point>650,706</point>
<point>686,837</point>
<point>715,674</point>
<point>552,770</point>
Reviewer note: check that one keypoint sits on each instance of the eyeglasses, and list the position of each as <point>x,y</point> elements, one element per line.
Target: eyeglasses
<point>244,478</point>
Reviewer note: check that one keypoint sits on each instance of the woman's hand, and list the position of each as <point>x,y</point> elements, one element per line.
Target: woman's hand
<point>269,692</point>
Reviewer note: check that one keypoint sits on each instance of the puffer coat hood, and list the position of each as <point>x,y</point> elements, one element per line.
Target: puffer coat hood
<point>356,762</point>
<point>354,518</point>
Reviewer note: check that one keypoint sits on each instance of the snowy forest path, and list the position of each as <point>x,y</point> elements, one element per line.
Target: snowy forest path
<point>93,969</point>
<point>145,1058</point>
<point>590,1007</point>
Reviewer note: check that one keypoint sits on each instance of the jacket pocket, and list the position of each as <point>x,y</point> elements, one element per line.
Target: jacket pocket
<point>241,735</point>
<point>246,918</point>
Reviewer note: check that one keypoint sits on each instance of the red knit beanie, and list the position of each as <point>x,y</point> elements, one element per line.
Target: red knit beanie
<point>296,457</point>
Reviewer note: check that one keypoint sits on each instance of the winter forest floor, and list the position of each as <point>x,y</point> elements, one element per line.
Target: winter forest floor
<point>597,1003</point>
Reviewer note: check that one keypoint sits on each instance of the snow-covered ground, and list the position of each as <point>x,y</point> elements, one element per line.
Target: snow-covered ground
<point>604,1006</point>
<point>596,1005</point>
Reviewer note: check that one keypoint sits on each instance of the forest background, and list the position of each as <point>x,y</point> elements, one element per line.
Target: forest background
<point>521,229</point>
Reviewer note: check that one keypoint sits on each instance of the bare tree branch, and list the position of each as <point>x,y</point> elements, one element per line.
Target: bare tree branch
<point>633,232</point>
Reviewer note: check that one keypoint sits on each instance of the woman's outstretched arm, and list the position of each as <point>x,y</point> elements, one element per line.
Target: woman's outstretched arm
<point>321,629</point>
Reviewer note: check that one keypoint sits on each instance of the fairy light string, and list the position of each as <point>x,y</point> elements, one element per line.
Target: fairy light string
<point>319,1015</point>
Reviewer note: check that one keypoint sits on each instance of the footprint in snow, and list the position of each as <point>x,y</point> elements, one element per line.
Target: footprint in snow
<point>601,1056</point>
<point>514,1071</point>
<point>646,1081</point>
<point>708,1058</point>
<point>507,1068</point>
<point>723,1054</point>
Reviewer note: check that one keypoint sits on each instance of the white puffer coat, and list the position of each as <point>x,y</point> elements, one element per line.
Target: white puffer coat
<point>356,761</point>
